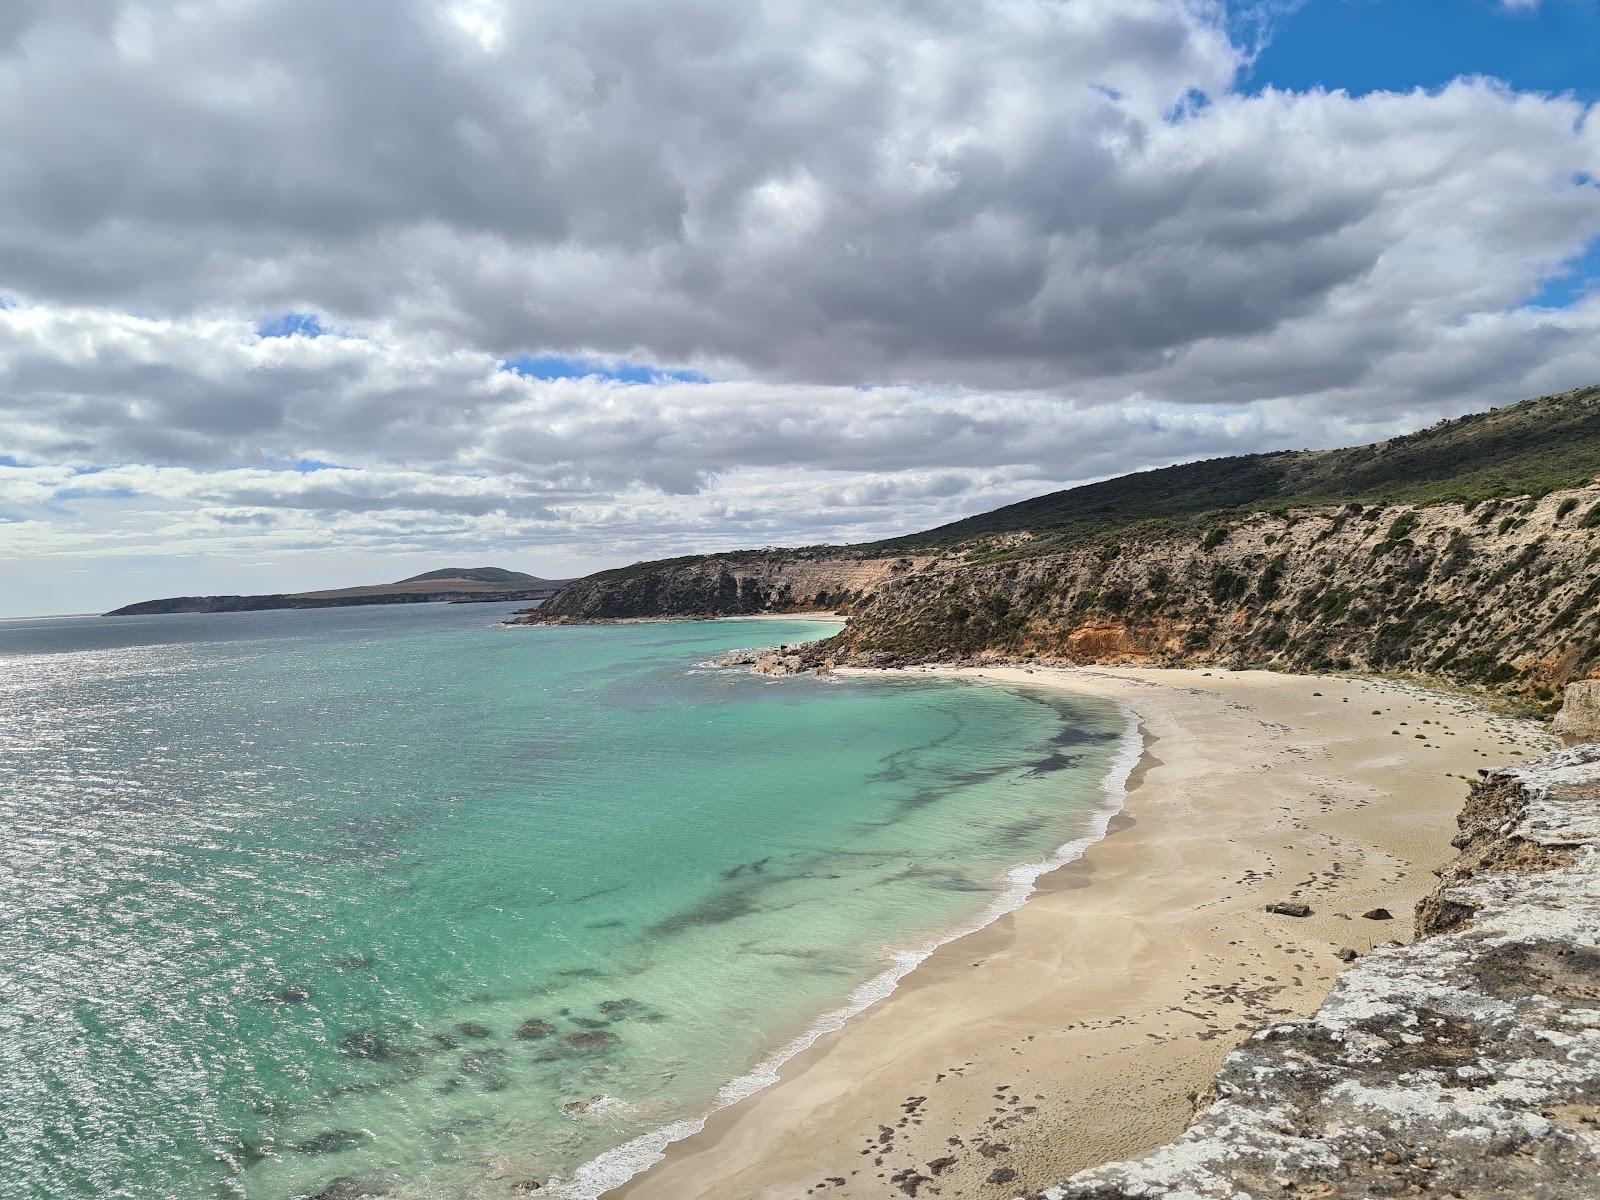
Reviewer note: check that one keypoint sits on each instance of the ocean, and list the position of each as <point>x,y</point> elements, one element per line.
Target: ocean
<point>401,902</point>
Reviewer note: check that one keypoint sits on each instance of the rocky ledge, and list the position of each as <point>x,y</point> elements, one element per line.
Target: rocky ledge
<point>1466,1064</point>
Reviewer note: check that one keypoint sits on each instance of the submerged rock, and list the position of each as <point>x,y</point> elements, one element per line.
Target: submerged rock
<point>479,1061</point>
<point>368,1045</point>
<point>592,1039</point>
<point>535,1028</point>
<point>331,1141</point>
<point>471,1029</point>
<point>348,1187</point>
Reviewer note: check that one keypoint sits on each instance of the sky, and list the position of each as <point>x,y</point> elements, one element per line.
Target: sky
<point>296,294</point>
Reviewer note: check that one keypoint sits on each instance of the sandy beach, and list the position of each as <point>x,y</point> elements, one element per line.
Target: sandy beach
<point>1081,1028</point>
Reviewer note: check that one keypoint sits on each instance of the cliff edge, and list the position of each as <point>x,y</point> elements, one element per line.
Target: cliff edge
<point>1466,1064</point>
<point>1468,551</point>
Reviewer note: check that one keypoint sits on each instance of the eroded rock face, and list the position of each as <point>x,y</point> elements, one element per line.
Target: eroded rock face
<point>1438,590</point>
<point>1579,718</point>
<point>720,586</point>
<point>1466,1064</point>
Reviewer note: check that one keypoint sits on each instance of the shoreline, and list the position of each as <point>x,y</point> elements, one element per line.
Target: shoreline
<point>916,1090</point>
<point>614,1172</point>
<point>763,616</point>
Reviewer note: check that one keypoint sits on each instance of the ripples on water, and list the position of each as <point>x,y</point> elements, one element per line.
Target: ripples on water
<point>432,907</point>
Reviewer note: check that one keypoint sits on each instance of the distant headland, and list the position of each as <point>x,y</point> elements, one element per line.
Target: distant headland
<point>450,585</point>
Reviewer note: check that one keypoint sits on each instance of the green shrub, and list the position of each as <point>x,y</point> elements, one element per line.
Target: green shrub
<point>1228,586</point>
<point>1403,524</point>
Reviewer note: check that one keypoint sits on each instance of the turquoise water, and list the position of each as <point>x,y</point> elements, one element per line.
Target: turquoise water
<point>280,891</point>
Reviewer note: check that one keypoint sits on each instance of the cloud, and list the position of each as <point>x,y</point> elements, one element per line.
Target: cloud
<point>640,278</point>
<point>1010,193</point>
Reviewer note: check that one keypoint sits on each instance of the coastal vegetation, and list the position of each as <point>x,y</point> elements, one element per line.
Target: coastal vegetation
<point>1463,551</point>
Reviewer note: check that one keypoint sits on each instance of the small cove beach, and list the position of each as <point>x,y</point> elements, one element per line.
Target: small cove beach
<point>1083,1026</point>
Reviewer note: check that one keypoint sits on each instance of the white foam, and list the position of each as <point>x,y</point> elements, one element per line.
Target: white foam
<point>615,1167</point>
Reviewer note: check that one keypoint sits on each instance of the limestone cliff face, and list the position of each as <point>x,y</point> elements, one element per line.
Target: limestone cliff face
<point>732,585</point>
<point>1504,594</point>
<point>1579,718</point>
<point>1466,1064</point>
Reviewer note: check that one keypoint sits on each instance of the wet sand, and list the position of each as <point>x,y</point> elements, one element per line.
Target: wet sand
<point>1081,1028</point>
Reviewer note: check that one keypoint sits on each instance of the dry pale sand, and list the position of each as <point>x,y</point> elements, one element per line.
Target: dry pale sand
<point>1078,1029</point>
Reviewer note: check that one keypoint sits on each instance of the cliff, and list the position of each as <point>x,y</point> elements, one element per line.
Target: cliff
<point>1466,1064</point>
<point>1468,550</point>
<point>1501,594</point>
<point>722,586</point>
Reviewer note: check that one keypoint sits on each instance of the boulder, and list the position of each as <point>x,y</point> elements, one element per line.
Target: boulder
<point>1579,718</point>
<point>595,1039</point>
<point>1290,908</point>
<point>1378,914</point>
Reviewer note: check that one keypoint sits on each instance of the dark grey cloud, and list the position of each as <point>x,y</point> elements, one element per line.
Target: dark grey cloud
<point>925,191</point>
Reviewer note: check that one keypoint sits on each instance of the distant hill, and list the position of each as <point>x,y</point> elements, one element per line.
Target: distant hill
<point>450,585</point>
<point>480,575</point>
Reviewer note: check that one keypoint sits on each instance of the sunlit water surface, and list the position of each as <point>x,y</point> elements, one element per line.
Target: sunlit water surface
<point>362,901</point>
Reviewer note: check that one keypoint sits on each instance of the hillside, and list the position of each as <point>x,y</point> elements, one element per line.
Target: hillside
<point>479,575</point>
<point>1535,446</point>
<point>1466,550</point>
<point>453,585</point>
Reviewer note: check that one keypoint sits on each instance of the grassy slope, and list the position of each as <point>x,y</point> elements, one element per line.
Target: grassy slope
<point>1532,447</point>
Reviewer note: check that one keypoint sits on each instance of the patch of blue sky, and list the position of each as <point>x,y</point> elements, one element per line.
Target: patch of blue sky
<point>75,493</point>
<point>304,466</point>
<point>555,366</point>
<point>1398,45</point>
<point>1577,278</point>
<point>292,324</point>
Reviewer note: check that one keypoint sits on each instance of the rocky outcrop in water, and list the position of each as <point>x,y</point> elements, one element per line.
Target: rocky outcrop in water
<point>1466,1064</point>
